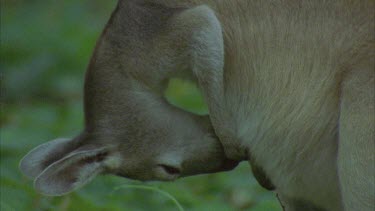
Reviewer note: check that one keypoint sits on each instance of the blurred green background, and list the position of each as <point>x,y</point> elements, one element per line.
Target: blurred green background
<point>45,48</point>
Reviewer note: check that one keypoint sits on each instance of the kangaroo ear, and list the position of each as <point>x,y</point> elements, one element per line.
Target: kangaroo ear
<point>74,170</point>
<point>43,155</point>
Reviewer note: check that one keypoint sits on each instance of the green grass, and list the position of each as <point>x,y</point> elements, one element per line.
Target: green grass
<point>152,188</point>
<point>45,48</point>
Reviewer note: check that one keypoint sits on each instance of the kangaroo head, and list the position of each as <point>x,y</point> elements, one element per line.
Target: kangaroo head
<point>130,129</point>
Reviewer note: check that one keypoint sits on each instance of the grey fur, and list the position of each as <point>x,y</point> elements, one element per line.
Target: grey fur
<point>289,85</point>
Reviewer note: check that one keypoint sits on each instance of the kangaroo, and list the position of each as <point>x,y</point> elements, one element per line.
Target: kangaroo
<point>290,87</point>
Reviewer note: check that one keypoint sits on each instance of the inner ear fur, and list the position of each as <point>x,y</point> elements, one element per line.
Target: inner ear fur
<point>74,170</point>
<point>39,158</point>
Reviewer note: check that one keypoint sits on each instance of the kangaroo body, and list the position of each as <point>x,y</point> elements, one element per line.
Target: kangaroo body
<point>296,75</point>
<point>289,86</point>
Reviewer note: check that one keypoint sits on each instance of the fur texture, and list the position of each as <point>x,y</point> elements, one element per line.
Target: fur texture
<point>299,97</point>
<point>289,85</point>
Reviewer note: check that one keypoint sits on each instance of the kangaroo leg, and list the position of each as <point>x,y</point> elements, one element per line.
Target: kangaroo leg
<point>356,152</point>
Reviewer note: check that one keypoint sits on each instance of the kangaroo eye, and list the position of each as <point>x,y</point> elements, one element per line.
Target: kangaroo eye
<point>170,169</point>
